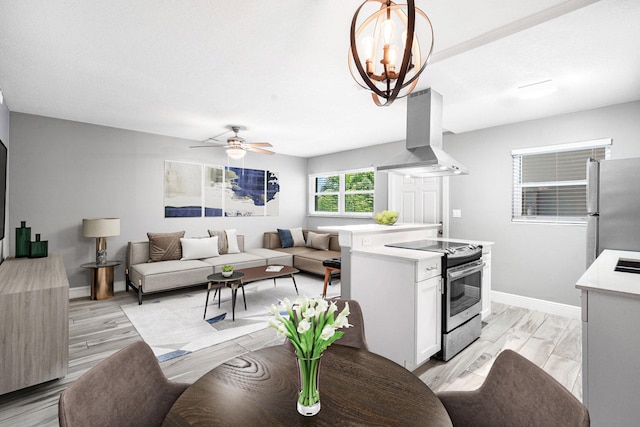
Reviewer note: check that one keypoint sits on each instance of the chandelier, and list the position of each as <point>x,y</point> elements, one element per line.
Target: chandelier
<point>374,49</point>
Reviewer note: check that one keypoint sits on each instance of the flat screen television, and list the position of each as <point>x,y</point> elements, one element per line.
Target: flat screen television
<point>3,186</point>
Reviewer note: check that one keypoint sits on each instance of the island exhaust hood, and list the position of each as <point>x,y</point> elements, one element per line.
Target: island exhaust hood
<point>424,155</point>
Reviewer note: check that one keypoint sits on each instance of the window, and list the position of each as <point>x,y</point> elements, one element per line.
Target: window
<point>347,193</point>
<point>550,183</point>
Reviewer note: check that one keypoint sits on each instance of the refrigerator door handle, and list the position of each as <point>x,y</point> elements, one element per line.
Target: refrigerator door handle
<point>593,190</point>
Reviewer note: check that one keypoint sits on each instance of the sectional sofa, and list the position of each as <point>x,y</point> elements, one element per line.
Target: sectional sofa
<point>146,277</point>
<point>148,273</point>
<point>307,255</point>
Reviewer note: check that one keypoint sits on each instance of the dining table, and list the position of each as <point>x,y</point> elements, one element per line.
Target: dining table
<point>260,388</point>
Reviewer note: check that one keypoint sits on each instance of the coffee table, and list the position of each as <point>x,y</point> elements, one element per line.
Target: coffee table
<point>254,274</point>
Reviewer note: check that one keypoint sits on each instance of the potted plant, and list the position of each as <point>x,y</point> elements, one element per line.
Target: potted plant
<point>227,270</point>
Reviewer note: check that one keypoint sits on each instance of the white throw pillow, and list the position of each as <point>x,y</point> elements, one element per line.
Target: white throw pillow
<point>232,241</point>
<point>297,236</point>
<point>206,247</point>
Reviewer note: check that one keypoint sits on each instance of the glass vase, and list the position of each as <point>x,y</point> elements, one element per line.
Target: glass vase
<point>309,394</point>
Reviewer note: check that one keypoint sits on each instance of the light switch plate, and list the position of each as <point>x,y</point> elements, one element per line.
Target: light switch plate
<point>457,213</point>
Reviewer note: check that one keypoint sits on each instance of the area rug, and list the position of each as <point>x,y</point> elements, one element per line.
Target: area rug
<point>173,325</point>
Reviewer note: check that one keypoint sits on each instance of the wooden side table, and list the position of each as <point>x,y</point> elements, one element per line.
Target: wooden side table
<point>101,279</point>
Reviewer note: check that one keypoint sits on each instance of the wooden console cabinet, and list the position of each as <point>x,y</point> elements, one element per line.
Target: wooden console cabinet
<point>34,321</point>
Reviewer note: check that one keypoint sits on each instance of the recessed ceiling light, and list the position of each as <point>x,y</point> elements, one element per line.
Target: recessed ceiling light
<point>537,90</point>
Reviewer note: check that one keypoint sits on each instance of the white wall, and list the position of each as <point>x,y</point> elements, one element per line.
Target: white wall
<point>533,260</point>
<point>4,136</point>
<point>62,171</point>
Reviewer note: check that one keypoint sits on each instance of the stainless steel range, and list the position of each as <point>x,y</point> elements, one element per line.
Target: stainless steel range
<point>461,294</point>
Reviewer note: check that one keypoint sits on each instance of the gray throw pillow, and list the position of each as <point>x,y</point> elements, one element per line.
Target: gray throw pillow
<point>222,240</point>
<point>318,240</point>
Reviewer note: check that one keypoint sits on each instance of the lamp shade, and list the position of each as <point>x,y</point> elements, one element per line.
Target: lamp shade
<point>100,227</point>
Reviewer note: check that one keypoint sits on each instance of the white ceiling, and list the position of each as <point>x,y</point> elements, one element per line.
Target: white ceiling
<point>190,68</point>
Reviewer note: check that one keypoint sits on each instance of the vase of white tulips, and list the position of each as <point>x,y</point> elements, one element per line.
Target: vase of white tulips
<point>311,326</point>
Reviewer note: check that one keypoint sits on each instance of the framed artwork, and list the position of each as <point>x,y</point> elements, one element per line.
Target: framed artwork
<point>214,187</point>
<point>182,190</point>
<point>196,190</point>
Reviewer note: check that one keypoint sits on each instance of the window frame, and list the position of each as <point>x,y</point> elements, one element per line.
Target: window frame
<point>517,194</point>
<point>341,193</point>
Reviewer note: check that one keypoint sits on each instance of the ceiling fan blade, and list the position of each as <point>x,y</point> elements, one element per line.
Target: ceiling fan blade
<point>260,150</point>
<point>208,146</point>
<point>259,144</point>
<point>216,136</point>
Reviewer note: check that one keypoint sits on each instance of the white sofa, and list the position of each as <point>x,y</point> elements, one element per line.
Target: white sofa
<point>150,277</point>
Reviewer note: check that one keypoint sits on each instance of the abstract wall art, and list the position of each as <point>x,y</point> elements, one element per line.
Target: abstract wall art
<point>193,190</point>
<point>182,189</point>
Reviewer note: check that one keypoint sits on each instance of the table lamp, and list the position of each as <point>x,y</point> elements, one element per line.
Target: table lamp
<point>101,228</point>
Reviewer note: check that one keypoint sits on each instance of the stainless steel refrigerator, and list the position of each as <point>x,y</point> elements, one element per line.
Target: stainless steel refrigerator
<point>613,206</point>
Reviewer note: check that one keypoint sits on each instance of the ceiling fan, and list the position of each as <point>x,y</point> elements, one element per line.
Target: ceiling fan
<point>236,146</point>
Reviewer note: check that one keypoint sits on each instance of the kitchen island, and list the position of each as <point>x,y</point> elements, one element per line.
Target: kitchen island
<point>400,290</point>
<point>610,340</point>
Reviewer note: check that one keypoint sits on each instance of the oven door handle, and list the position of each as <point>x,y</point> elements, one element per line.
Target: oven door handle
<point>465,271</point>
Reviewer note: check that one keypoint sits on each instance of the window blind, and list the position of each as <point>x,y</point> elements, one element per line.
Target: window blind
<point>550,183</point>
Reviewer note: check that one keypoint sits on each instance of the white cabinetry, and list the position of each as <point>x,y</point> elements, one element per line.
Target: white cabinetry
<point>401,303</point>
<point>610,341</point>
<point>428,326</point>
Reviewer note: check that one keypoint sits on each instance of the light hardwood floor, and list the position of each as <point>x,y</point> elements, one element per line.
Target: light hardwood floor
<point>97,329</point>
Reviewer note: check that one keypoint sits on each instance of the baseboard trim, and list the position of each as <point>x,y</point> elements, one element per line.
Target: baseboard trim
<point>550,307</point>
<point>85,291</point>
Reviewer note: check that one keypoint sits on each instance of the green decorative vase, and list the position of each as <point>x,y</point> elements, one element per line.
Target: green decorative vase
<point>23,239</point>
<point>38,249</point>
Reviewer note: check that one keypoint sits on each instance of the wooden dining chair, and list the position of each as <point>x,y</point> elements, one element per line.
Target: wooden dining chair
<point>516,392</point>
<point>126,389</point>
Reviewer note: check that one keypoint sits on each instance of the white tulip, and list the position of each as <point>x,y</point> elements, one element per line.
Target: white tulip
<point>327,332</point>
<point>303,326</point>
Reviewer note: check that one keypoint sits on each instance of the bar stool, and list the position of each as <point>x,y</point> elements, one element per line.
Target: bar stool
<point>330,265</point>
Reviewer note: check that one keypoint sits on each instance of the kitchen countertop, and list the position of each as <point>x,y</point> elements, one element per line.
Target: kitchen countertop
<point>601,276</point>
<point>377,228</point>
<point>398,253</point>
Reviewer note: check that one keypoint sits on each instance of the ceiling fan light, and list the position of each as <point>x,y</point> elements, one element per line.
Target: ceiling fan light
<point>236,153</point>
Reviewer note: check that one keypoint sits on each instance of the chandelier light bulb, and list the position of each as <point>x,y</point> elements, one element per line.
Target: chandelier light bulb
<point>388,28</point>
<point>367,46</point>
<point>393,56</point>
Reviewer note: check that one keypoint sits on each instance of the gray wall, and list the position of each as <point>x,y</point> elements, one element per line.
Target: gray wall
<point>534,260</point>
<point>4,136</point>
<point>62,171</point>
